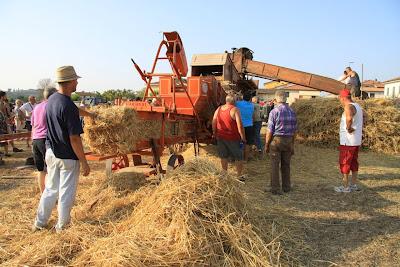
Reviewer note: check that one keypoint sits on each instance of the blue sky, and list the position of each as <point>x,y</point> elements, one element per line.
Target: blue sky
<point>100,37</point>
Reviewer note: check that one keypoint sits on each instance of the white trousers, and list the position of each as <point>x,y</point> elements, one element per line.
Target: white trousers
<point>61,182</point>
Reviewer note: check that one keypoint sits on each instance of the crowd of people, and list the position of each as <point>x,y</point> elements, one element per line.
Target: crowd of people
<point>12,120</point>
<point>237,128</point>
<point>59,157</point>
<point>237,125</point>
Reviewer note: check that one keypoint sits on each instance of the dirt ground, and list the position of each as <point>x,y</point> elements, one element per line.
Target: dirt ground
<point>314,225</point>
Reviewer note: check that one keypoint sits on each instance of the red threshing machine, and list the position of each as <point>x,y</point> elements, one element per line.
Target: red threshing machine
<point>185,102</point>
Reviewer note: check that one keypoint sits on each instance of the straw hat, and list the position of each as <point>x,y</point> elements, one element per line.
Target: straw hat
<point>65,74</point>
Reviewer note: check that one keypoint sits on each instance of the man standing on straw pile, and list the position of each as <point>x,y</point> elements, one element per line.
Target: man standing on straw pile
<point>350,135</point>
<point>354,81</point>
<point>39,132</point>
<point>64,152</point>
<point>282,125</point>
<point>229,132</point>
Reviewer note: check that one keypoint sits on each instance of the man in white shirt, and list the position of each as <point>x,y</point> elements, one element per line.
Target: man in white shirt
<point>344,78</point>
<point>350,133</point>
<point>27,108</point>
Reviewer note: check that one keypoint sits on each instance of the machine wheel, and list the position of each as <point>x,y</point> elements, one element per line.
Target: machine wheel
<point>120,162</point>
<point>175,161</point>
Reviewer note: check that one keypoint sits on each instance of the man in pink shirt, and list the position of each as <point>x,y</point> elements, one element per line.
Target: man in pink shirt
<point>39,132</point>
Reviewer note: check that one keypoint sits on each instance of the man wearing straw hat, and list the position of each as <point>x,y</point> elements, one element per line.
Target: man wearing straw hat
<point>350,133</point>
<point>279,142</point>
<point>64,152</point>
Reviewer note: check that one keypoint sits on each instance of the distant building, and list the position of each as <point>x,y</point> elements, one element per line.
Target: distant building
<point>374,88</point>
<point>392,88</point>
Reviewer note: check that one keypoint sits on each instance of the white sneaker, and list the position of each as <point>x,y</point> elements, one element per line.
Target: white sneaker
<point>354,187</point>
<point>342,189</point>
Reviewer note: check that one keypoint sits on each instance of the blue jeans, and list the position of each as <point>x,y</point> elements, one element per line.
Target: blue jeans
<point>61,182</point>
<point>257,129</point>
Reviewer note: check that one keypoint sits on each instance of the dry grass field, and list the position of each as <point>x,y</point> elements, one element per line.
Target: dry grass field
<point>310,226</point>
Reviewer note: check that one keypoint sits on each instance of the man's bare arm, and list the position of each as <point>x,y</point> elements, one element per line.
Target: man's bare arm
<point>84,113</point>
<point>268,140</point>
<point>214,122</point>
<point>239,124</point>
<point>76,143</point>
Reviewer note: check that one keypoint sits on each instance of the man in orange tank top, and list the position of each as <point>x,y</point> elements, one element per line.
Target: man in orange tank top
<point>229,132</point>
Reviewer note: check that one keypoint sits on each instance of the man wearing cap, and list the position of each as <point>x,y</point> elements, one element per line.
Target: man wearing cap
<point>64,152</point>
<point>350,135</point>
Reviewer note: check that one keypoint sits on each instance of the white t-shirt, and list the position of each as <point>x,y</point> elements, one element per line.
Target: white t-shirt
<point>28,108</point>
<point>345,81</point>
<point>354,138</point>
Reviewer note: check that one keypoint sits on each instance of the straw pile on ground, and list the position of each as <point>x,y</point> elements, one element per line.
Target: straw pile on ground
<point>194,217</point>
<point>318,121</point>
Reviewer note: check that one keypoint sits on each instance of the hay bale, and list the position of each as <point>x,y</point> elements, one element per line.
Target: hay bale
<point>319,119</point>
<point>117,130</point>
<point>194,217</point>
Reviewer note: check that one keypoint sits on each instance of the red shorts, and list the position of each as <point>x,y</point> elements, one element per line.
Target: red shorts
<point>348,159</point>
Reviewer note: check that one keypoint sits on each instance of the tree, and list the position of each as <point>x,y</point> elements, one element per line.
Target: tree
<point>45,83</point>
<point>75,97</point>
<point>112,94</point>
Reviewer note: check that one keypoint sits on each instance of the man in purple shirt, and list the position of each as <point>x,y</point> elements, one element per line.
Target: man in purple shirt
<point>282,125</point>
<point>39,132</point>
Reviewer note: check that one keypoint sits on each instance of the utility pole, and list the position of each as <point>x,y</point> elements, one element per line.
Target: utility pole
<point>362,79</point>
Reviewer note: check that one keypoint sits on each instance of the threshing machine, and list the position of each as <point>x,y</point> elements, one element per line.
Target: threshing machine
<point>190,102</point>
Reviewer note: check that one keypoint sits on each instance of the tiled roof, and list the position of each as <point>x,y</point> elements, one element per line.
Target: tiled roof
<point>392,80</point>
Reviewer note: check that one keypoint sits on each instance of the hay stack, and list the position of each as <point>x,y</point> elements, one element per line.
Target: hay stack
<point>194,217</point>
<point>116,130</point>
<point>318,121</point>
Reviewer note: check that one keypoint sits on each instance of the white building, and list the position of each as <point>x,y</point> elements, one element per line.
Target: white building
<point>392,88</point>
<point>374,88</point>
<point>295,91</point>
